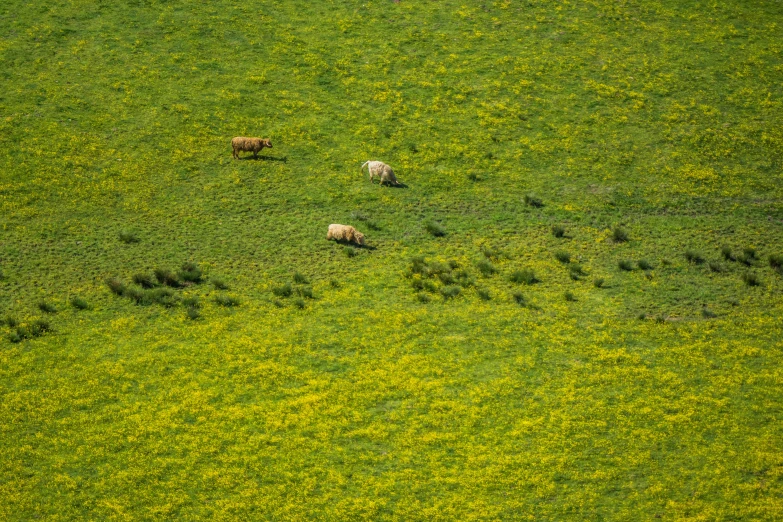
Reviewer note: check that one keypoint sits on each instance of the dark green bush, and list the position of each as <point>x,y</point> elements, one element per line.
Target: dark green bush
<point>526,276</point>
<point>484,294</point>
<point>191,302</point>
<point>166,277</point>
<point>334,283</point>
<point>447,278</point>
<point>727,254</point>
<point>227,301</point>
<point>776,263</point>
<point>751,279</point>
<point>423,298</point>
<point>569,296</point>
<point>563,257</point>
<point>558,231</point>
<point>419,266</point>
<point>305,291</point>
<point>474,177</point>
<point>450,292</point>
<point>715,267</point>
<point>116,286</point>
<point>485,267</point>
<point>79,303</point>
<point>47,308</point>
<point>533,201</point>
<point>128,237</point>
<point>10,321</point>
<point>191,273</point>
<point>435,229</point>
<point>40,327</point>
<point>299,303</point>
<point>300,279</point>
<point>519,298</point>
<point>619,235</point>
<point>625,265</point>
<point>598,282</point>
<point>144,280</point>
<point>707,313</point>
<point>350,251</point>
<point>193,313</point>
<point>219,284</point>
<point>576,270</point>
<point>491,253</point>
<point>643,264</point>
<point>694,257</point>
<point>284,290</point>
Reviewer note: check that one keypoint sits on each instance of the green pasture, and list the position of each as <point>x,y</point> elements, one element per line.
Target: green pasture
<point>468,364</point>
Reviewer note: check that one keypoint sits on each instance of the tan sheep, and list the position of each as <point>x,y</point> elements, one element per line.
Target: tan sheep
<point>253,145</point>
<point>345,233</point>
<point>382,171</point>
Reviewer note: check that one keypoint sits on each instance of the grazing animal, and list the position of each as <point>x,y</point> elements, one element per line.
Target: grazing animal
<point>249,145</point>
<point>382,171</point>
<point>345,233</point>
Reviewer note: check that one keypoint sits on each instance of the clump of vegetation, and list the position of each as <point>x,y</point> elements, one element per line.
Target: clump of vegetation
<point>190,272</point>
<point>9,321</point>
<point>558,231</point>
<point>144,280</point>
<point>707,313</point>
<point>526,276</point>
<point>598,282</point>
<point>299,303</point>
<point>748,257</point>
<point>576,271</point>
<point>519,298</point>
<point>116,286</point>
<point>226,301</point>
<point>643,264</point>
<point>47,308</point>
<point>423,298</point>
<point>193,313</point>
<point>284,290</point>
<point>533,201</point>
<point>486,268</point>
<point>694,257</point>
<point>491,253</point>
<point>569,296</point>
<point>625,265</point>
<point>435,229</point>
<point>191,302</point>
<point>128,237</point>
<point>334,283</point>
<point>483,294</point>
<point>305,291</point>
<point>166,277</point>
<point>350,251</point>
<point>619,235</point>
<point>474,177</point>
<point>751,279</point>
<point>715,266</point>
<point>563,257</point>
<point>300,279</point>
<point>776,263</point>
<point>728,255</point>
<point>219,284</point>
<point>36,329</point>
<point>450,292</point>
<point>79,303</point>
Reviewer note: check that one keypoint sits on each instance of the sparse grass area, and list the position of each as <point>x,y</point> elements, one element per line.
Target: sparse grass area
<point>440,389</point>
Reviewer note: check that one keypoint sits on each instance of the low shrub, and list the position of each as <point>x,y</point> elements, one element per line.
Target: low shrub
<point>278,303</point>
<point>219,284</point>
<point>193,313</point>
<point>486,268</point>
<point>419,266</point>
<point>450,292</point>
<point>563,257</point>
<point>284,290</point>
<point>305,291</point>
<point>598,282</point>
<point>350,251</point>
<point>643,264</point>
<point>776,263</point>
<point>491,253</point>
<point>334,283</point>
<point>483,294</point>
<point>227,301</point>
<point>447,278</point>
<point>533,201</point>
<point>526,276</point>
<point>715,267</point>
<point>47,308</point>
<point>299,303</point>
<point>191,273</point>
<point>191,302</point>
<point>727,254</point>
<point>79,303</point>
<point>474,177</point>
<point>116,286</point>
<point>40,327</point>
<point>558,231</point>
<point>166,277</point>
<point>625,265</point>
<point>128,237</point>
<point>576,270</point>
<point>10,321</point>
<point>519,298</point>
<point>569,296</point>
<point>619,235</point>
<point>750,253</point>
<point>751,279</point>
<point>435,229</point>
<point>694,257</point>
<point>144,280</point>
<point>707,313</point>
<point>300,279</point>
<point>423,298</point>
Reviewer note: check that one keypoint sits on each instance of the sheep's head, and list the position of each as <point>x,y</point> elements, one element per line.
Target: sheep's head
<point>359,237</point>
<point>268,143</point>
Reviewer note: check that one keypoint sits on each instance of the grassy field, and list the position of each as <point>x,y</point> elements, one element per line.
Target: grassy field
<point>469,364</point>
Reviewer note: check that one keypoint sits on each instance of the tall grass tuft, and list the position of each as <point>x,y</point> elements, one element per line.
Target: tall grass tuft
<point>751,279</point>
<point>694,257</point>
<point>300,279</point>
<point>526,276</point>
<point>450,292</point>
<point>47,308</point>
<point>619,235</point>
<point>190,272</point>
<point>166,277</point>
<point>728,255</point>
<point>284,290</point>
<point>519,298</point>
<point>219,284</point>
<point>558,231</point>
<point>79,303</point>
<point>563,257</point>
<point>533,201</point>
<point>128,237</point>
<point>483,294</point>
<point>569,296</point>
<point>116,286</point>
<point>226,301</point>
<point>715,267</point>
<point>435,229</point>
<point>144,280</point>
<point>625,265</point>
<point>598,282</point>
<point>776,263</point>
<point>486,268</point>
<point>643,264</point>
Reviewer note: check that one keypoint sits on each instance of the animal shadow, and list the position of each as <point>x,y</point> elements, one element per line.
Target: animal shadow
<point>369,248</point>
<point>284,159</point>
<point>399,185</point>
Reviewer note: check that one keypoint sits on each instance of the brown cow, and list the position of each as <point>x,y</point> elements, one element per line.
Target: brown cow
<point>249,145</point>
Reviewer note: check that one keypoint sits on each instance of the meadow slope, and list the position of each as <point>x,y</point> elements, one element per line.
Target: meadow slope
<point>470,364</point>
